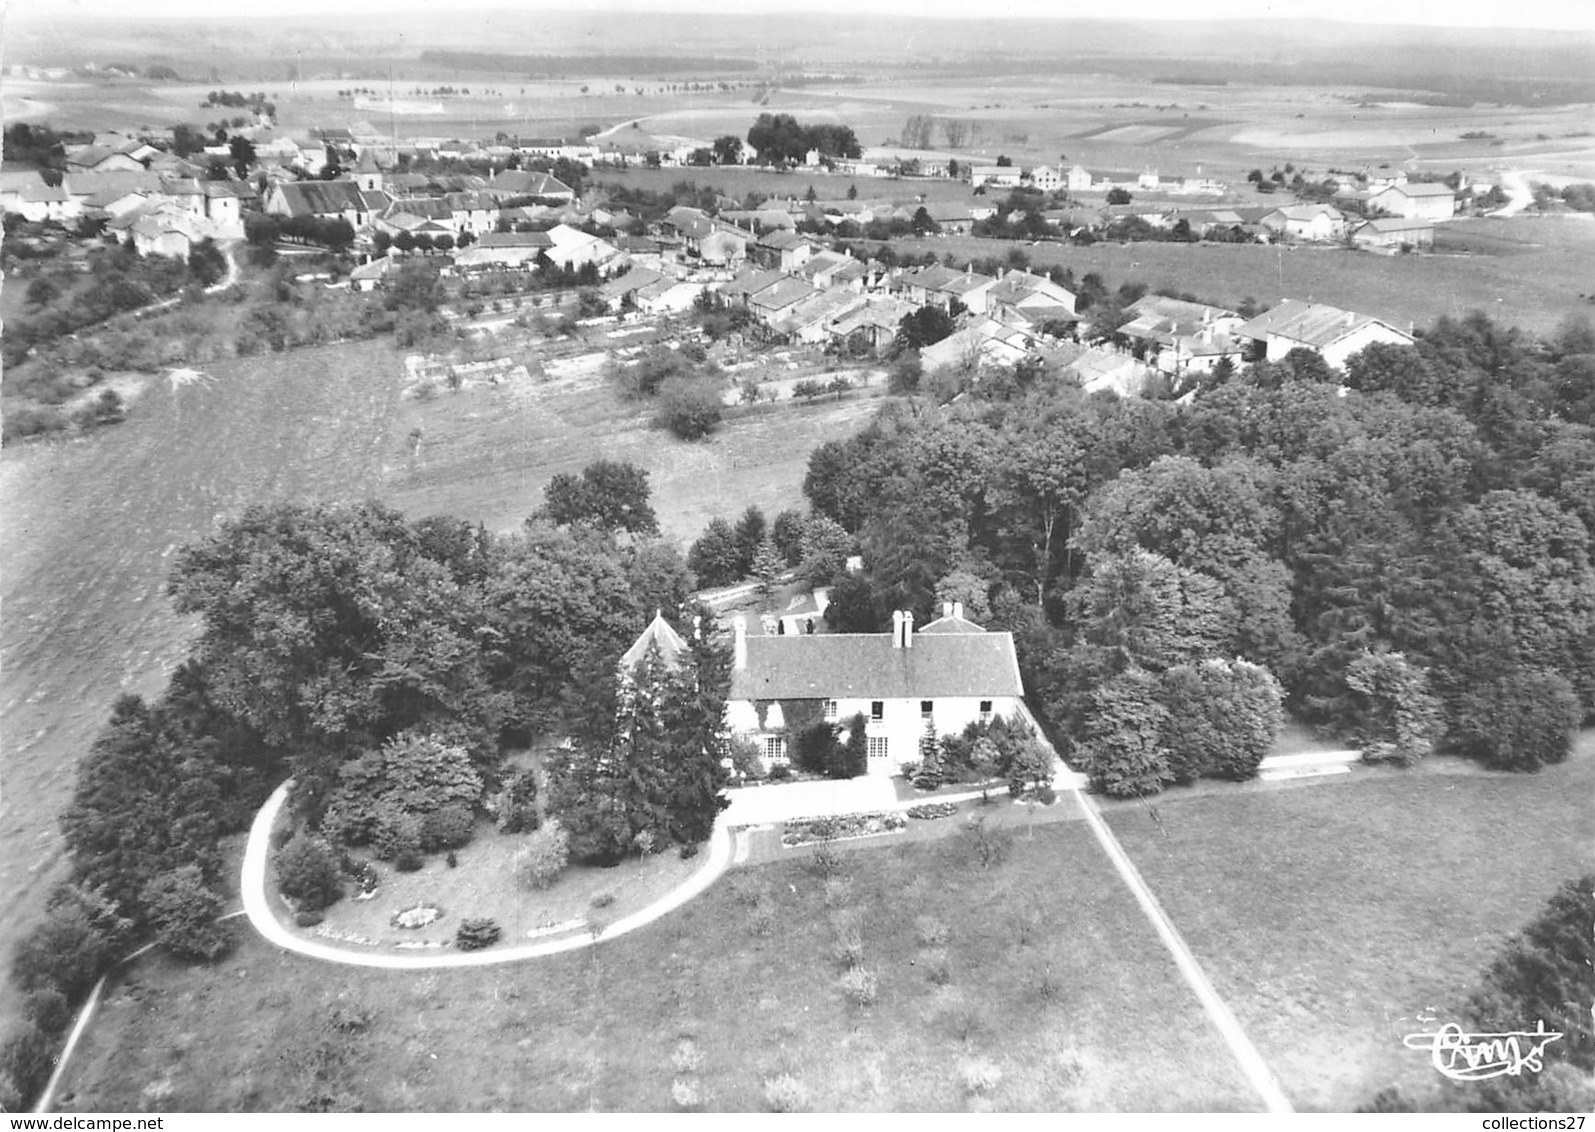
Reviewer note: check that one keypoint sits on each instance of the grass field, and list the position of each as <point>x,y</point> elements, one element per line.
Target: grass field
<point>737,182</point>
<point>91,527</point>
<point>1330,917</point>
<point>1535,288</point>
<point>1052,976</point>
<point>487,453</point>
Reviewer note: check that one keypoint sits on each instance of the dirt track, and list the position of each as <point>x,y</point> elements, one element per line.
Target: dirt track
<point>89,530</point>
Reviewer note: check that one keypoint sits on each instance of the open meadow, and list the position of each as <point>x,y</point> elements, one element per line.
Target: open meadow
<point>91,527</point>
<point>1031,985</point>
<point>1330,918</point>
<point>486,452</point>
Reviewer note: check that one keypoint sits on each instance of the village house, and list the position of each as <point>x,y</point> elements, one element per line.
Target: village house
<point>1077,179</point>
<point>808,321</point>
<point>995,176</point>
<point>1332,333</point>
<point>666,295</point>
<point>504,249</point>
<point>1037,297</point>
<point>510,183</point>
<point>987,342</point>
<point>1045,178</point>
<point>781,250</point>
<point>952,218</point>
<point>103,159</point>
<point>215,206</point>
<point>739,291</point>
<point>770,304</point>
<point>970,288</point>
<point>1415,200</point>
<point>573,248</point>
<point>1098,369</point>
<point>1311,223</point>
<point>904,684</point>
<point>828,269</point>
<point>871,328</point>
<point>1178,337</point>
<point>326,200</point>
<point>26,195</point>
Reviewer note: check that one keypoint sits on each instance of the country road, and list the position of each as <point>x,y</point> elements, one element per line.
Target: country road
<point>1517,187</point>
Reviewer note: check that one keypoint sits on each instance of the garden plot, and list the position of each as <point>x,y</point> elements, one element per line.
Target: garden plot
<point>482,884</point>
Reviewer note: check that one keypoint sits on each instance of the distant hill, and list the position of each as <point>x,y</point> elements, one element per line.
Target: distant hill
<point>1488,65</point>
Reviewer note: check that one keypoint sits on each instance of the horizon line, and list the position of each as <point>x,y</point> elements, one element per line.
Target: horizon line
<point>1575,17</point>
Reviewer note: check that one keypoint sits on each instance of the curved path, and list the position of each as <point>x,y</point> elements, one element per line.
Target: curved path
<point>257,906</point>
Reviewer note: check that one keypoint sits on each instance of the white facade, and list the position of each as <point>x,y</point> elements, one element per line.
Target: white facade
<point>1416,201</point>
<point>1355,340</point>
<point>954,660</point>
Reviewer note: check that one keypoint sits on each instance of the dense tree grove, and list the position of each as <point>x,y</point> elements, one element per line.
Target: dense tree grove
<point>387,665</point>
<point>779,139</point>
<point>649,774</point>
<point>1403,546</point>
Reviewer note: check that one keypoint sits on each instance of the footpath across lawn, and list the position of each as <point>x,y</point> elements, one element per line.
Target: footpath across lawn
<point>1331,917</point>
<point>1031,982</point>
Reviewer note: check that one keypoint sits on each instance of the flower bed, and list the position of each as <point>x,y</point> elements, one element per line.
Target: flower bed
<point>418,917</point>
<point>843,827</point>
<point>929,811</point>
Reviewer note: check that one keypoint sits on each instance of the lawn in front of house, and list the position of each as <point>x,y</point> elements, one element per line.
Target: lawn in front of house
<point>1038,974</point>
<point>1330,916</point>
<point>482,884</point>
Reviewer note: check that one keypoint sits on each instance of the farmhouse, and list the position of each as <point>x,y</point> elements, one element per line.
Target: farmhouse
<point>950,674</point>
<point>505,249</point>
<point>999,176</point>
<point>509,183</point>
<point>1393,234</point>
<point>1416,200</point>
<point>1334,334</point>
<point>325,200</point>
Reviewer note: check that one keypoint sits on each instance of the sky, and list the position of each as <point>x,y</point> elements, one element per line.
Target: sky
<point>1553,14</point>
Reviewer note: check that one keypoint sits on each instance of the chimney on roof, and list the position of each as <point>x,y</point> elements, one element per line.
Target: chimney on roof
<point>739,646</point>
<point>897,628</point>
<point>908,628</point>
<point>958,610</point>
<point>946,609</point>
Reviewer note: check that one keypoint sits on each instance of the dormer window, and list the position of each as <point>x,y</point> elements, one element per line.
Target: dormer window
<point>927,708</point>
<point>877,710</point>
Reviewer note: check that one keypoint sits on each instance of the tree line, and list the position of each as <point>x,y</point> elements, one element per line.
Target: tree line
<point>387,666</point>
<point>1404,546</point>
